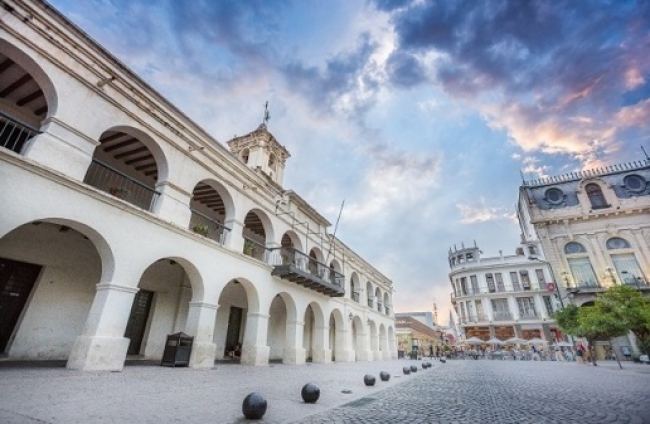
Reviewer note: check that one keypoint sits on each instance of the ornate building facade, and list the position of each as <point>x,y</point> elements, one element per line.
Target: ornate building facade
<point>505,296</point>
<point>594,227</point>
<point>124,221</point>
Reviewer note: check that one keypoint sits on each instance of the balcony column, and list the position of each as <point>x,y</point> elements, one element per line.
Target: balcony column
<point>540,307</point>
<point>62,148</point>
<point>200,324</point>
<point>235,239</point>
<point>102,345</point>
<point>293,352</point>
<point>320,352</point>
<point>254,348</point>
<point>173,204</point>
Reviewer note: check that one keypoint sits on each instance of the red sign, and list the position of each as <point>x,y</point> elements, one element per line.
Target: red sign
<point>550,287</point>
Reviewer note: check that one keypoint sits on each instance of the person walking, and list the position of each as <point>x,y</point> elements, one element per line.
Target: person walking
<point>580,353</point>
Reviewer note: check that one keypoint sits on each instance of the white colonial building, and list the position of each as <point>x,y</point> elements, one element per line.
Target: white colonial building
<point>504,296</point>
<point>594,227</point>
<point>123,221</point>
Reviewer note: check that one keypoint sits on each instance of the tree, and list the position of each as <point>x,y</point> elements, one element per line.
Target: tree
<point>629,306</point>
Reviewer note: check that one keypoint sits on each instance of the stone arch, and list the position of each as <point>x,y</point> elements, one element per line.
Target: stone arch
<point>237,298</point>
<point>358,338</point>
<point>355,287</point>
<point>72,258</point>
<point>383,342</point>
<point>391,342</point>
<point>386,303</point>
<point>40,77</point>
<point>316,253</point>
<point>211,206</point>
<point>374,337</point>
<point>370,294</point>
<point>378,299</point>
<point>257,233</point>
<point>291,239</point>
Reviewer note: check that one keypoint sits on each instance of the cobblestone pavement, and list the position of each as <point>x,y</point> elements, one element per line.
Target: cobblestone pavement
<point>505,392</point>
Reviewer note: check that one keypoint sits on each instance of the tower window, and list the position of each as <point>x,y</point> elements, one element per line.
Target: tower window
<point>271,160</point>
<point>244,155</point>
<point>596,196</point>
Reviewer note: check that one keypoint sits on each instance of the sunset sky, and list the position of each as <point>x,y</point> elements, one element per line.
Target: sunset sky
<point>420,114</point>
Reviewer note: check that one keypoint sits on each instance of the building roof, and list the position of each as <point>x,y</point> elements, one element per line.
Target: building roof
<point>415,325</point>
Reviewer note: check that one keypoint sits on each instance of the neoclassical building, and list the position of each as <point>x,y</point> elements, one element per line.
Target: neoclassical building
<point>594,227</point>
<point>504,296</point>
<point>123,221</point>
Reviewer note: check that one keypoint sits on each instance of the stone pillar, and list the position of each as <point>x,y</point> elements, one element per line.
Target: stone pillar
<point>254,349</point>
<point>62,148</point>
<point>342,352</point>
<point>200,324</point>
<point>320,352</point>
<point>364,352</point>
<point>546,333</point>
<point>517,328</point>
<point>173,204</point>
<point>102,345</point>
<point>235,240</point>
<point>294,352</point>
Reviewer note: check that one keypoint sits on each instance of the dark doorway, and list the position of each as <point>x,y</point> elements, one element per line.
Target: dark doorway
<point>137,324</point>
<point>234,327</point>
<point>16,282</point>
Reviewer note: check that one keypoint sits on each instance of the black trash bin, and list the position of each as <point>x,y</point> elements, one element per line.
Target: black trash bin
<point>177,350</point>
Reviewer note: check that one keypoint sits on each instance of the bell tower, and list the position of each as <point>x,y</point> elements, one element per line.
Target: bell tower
<point>261,151</point>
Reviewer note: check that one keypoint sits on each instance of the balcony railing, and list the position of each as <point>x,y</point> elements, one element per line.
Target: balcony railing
<point>255,250</point>
<point>530,315</point>
<point>387,310</point>
<point>380,306</point>
<point>371,303</point>
<point>208,227</point>
<point>14,133</point>
<point>502,316</point>
<point>355,296</point>
<point>120,185</point>
<point>300,268</point>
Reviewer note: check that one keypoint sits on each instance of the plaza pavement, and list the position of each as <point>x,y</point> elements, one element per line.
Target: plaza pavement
<point>455,392</point>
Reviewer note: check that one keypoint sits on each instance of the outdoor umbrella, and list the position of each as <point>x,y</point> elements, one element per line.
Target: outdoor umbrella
<point>514,340</point>
<point>563,344</point>
<point>536,341</point>
<point>495,341</point>
<point>474,341</point>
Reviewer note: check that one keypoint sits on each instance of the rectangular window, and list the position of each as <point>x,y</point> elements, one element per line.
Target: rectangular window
<point>628,269</point>
<point>500,286</point>
<point>526,307</point>
<point>474,283</point>
<point>463,285</point>
<point>515,281</point>
<point>490,282</point>
<point>470,257</point>
<point>501,310</point>
<point>541,281</point>
<point>582,272</point>
<point>548,303</point>
<point>480,315</point>
<point>462,311</point>
<point>525,279</point>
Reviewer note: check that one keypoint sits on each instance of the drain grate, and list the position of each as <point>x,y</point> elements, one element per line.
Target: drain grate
<point>360,402</point>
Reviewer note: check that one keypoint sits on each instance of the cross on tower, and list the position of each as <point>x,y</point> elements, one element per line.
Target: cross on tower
<point>267,115</point>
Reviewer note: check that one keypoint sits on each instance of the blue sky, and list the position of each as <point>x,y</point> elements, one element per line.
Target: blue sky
<point>419,113</point>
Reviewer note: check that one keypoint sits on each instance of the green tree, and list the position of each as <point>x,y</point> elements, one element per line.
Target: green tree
<point>631,307</point>
<point>600,322</point>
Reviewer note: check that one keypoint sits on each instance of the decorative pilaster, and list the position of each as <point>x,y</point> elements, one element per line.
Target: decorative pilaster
<point>293,352</point>
<point>173,204</point>
<point>320,353</point>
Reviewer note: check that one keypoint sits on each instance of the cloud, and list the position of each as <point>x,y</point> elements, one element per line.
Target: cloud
<point>471,214</point>
<point>548,74</point>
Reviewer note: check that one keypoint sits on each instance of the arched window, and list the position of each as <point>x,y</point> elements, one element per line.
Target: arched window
<point>244,155</point>
<point>580,266</point>
<point>617,243</point>
<point>573,248</point>
<point>271,160</point>
<point>596,196</point>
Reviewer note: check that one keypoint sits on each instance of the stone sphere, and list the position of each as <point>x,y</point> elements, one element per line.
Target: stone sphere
<point>254,406</point>
<point>310,393</point>
<point>424,365</point>
<point>385,376</point>
<point>428,364</point>
<point>369,380</point>
<point>414,368</point>
<point>406,370</point>
<point>443,360</point>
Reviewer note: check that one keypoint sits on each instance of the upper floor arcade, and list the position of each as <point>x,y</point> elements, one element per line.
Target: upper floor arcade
<point>96,123</point>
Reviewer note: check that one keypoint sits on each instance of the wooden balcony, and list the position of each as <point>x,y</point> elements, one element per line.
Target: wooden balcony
<point>292,265</point>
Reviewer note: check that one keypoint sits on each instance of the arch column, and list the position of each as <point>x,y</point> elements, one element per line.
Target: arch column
<point>343,349</point>
<point>235,240</point>
<point>102,345</point>
<point>254,349</point>
<point>173,204</point>
<point>320,352</point>
<point>364,352</point>
<point>61,148</point>
<point>200,324</point>
<point>293,352</point>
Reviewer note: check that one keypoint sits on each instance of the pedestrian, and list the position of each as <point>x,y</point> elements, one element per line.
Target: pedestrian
<point>580,353</point>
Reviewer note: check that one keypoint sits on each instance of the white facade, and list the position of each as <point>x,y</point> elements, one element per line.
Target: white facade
<point>505,296</point>
<point>121,217</point>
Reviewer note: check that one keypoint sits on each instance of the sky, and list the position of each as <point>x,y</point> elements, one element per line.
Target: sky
<point>422,115</point>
